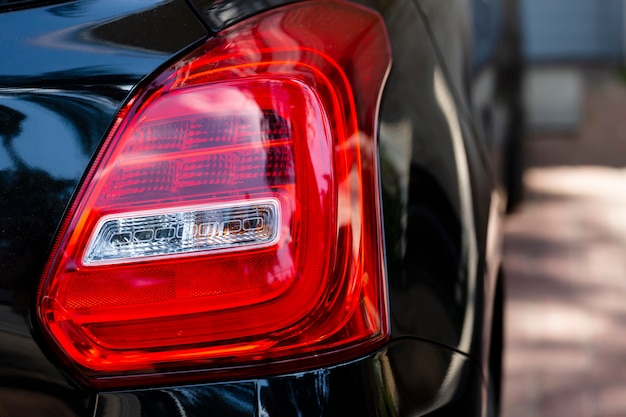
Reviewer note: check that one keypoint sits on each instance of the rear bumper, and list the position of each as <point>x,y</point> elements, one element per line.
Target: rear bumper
<point>408,377</point>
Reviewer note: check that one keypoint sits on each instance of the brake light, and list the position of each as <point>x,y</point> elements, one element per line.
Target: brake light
<point>231,216</point>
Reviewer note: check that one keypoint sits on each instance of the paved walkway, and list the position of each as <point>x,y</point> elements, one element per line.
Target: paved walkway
<point>565,258</point>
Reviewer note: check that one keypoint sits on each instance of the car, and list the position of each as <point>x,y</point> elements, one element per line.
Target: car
<point>228,207</point>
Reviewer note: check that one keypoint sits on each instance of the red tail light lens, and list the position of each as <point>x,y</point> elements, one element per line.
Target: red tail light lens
<point>231,216</point>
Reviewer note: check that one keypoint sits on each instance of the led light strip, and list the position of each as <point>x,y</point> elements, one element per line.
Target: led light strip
<point>133,236</point>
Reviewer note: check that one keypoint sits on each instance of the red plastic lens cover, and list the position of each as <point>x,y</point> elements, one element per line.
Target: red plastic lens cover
<point>231,217</point>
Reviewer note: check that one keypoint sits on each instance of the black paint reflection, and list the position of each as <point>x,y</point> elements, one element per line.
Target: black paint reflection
<point>236,400</point>
<point>410,377</point>
<point>429,270</point>
<point>221,14</point>
<point>423,230</point>
<point>10,128</point>
<point>26,212</point>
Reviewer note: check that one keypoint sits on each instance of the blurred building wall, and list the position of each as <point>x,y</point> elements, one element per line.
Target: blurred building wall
<point>573,30</point>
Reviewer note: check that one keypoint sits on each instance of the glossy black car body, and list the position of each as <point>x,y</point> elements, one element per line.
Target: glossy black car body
<point>66,68</point>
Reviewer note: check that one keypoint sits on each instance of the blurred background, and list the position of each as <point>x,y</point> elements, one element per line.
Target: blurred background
<point>565,244</point>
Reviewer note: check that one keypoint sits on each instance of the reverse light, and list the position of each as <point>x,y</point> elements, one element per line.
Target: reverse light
<point>132,236</point>
<point>229,224</point>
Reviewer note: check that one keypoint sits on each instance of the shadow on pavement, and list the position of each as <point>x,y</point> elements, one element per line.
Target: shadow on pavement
<point>565,260</point>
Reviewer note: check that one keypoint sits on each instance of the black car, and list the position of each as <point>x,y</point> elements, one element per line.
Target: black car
<point>231,207</point>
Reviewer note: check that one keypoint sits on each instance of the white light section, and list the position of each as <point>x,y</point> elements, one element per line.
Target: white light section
<point>134,236</point>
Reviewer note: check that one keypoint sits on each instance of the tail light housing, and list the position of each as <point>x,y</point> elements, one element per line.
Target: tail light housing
<point>230,220</point>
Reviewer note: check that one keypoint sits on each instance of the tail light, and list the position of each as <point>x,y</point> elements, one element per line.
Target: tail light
<point>230,220</point>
